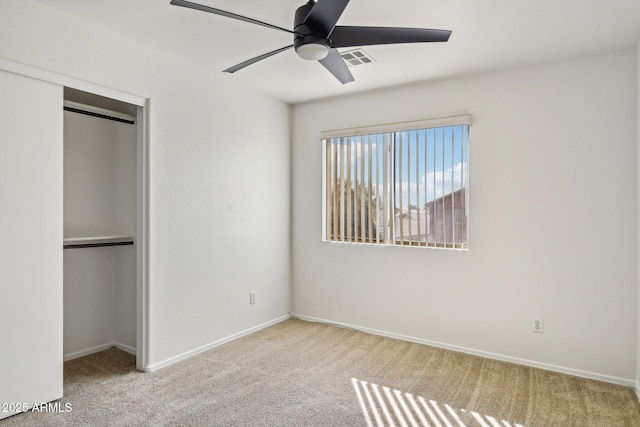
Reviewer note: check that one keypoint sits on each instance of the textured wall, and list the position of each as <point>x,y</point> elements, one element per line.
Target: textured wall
<point>219,177</point>
<point>638,198</point>
<point>552,220</point>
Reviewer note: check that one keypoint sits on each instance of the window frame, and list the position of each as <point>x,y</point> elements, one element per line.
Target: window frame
<point>392,128</point>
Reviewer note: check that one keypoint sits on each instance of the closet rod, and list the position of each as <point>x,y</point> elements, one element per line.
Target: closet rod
<point>96,245</point>
<point>96,242</point>
<point>88,110</point>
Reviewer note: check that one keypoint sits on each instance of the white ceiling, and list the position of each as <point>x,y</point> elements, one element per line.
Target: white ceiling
<point>487,34</point>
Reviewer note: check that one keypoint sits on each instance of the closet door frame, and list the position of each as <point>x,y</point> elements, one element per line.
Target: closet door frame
<point>142,190</point>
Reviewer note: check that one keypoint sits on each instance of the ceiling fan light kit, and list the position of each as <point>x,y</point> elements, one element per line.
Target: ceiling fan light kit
<point>313,51</point>
<point>316,36</point>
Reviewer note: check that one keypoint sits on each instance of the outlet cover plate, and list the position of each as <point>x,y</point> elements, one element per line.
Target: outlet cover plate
<point>538,325</point>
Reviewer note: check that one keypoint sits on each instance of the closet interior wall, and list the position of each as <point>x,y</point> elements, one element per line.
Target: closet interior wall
<point>99,202</point>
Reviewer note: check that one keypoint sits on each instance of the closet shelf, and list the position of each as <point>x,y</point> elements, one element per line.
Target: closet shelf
<point>96,241</point>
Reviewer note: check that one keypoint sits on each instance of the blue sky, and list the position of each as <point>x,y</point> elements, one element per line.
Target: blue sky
<point>442,165</point>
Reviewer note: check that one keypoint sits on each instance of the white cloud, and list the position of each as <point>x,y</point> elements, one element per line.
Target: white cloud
<point>414,193</point>
<point>445,182</point>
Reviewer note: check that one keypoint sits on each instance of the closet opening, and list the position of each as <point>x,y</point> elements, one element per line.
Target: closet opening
<point>103,238</point>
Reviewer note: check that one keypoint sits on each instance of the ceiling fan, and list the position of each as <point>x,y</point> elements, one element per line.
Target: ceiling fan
<point>316,36</point>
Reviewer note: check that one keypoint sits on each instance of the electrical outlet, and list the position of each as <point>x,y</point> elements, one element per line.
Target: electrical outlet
<point>538,325</point>
<point>252,297</point>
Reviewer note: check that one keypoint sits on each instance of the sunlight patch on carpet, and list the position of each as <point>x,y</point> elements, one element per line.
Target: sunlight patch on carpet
<point>385,406</point>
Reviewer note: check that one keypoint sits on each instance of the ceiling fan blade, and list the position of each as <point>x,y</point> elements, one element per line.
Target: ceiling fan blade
<point>226,14</point>
<point>336,66</point>
<point>248,62</point>
<point>324,15</point>
<point>365,36</point>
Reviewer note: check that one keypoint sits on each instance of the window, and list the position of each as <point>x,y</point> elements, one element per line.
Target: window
<point>403,184</point>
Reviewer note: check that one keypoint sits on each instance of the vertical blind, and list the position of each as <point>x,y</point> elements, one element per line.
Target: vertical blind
<point>401,187</point>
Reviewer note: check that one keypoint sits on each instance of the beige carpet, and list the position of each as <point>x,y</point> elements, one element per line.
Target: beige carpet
<point>304,374</point>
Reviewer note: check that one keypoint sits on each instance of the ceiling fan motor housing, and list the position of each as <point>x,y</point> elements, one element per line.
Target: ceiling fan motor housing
<point>307,42</point>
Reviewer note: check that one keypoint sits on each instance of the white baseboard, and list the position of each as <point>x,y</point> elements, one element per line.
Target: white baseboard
<point>188,354</point>
<point>98,348</point>
<point>489,355</point>
<point>127,348</point>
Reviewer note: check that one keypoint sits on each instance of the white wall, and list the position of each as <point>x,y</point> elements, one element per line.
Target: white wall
<point>638,201</point>
<point>552,220</point>
<point>90,176</point>
<point>219,177</point>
